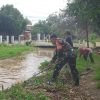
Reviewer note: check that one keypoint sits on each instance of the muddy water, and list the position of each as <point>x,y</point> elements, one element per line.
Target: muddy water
<point>18,69</point>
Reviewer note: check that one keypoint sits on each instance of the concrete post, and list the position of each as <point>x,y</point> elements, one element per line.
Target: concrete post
<point>38,37</point>
<point>0,38</point>
<point>12,39</point>
<point>7,39</point>
<point>83,42</point>
<point>30,37</point>
<point>19,39</point>
<point>49,37</point>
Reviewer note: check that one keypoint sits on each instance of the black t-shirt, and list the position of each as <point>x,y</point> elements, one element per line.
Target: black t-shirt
<point>69,40</point>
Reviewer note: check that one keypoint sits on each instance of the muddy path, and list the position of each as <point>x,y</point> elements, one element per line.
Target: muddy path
<point>89,87</point>
<point>86,91</point>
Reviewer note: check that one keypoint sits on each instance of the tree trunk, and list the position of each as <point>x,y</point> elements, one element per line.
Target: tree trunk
<point>87,34</point>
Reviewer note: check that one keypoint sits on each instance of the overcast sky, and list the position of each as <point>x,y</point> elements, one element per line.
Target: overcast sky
<point>36,9</point>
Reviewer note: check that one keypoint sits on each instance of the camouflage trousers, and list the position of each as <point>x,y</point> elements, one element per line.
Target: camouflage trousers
<point>72,64</point>
<point>90,56</point>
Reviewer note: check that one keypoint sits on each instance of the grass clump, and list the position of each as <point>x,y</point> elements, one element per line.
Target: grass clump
<point>12,50</point>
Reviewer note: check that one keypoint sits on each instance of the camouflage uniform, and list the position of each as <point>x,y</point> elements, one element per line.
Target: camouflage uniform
<point>64,53</point>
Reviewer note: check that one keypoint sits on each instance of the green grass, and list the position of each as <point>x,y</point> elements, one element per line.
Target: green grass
<point>98,84</point>
<point>18,92</point>
<point>12,50</point>
<point>96,68</point>
<point>82,65</point>
<point>27,91</point>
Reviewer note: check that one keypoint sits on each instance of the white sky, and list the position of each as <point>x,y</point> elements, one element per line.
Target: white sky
<point>36,9</point>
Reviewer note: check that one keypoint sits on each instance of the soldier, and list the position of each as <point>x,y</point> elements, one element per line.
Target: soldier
<point>64,53</point>
<point>86,52</point>
<point>68,38</point>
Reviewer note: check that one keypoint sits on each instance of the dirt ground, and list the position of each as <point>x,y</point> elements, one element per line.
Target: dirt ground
<point>89,87</point>
<point>86,91</point>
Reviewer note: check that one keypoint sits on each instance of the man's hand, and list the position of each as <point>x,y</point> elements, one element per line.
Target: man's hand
<point>51,62</point>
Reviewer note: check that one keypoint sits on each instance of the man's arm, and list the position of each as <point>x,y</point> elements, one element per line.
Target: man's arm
<point>53,58</point>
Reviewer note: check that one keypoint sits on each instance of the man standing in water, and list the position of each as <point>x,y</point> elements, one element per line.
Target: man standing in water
<point>64,53</point>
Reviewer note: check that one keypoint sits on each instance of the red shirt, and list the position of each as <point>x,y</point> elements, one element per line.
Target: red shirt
<point>84,50</point>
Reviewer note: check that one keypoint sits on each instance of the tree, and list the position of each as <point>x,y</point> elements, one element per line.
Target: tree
<point>6,25</point>
<point>12,13</point>
<point>53,22</point>
<point>40,27</point>
<point>85,13</point>
<point>28,21</point>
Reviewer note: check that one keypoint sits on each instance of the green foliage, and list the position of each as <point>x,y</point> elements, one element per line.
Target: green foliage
<point>79,16</point>
<point>97,75</point>
<point>37,81</point>
<point>41,27</point>
<point>42,96</point>
<point>98,85</point>
<point>12,50</point>
<point>17,92</point>
<point>53,21</point>
<point>11,20</point>
<point>43,65</point>
<point>48,26</point>
<point>93,36</point>
<point>85,11</point>
<point>6,25</point>
<point>80,65</point>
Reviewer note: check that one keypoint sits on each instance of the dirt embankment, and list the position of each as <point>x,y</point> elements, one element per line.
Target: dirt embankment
<point>86,91</point>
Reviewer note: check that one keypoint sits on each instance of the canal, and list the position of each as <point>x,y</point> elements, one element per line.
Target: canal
<point>18,69</point>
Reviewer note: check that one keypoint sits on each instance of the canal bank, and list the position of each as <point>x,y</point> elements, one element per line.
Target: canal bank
<point>36,88</point>
<point>20,68</point>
